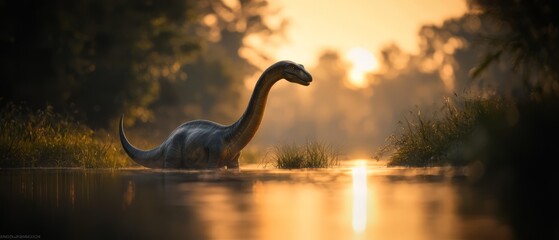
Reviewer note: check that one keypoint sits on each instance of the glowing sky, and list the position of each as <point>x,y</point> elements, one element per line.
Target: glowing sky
<point>361,116</point>
<point>346,24</point>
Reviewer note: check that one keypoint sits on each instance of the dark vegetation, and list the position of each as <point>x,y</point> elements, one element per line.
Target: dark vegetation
<point>508,141</point>
<point>98,59</point>
<point>520,35</point>
<point>91,61</point>
<point>447,137</point>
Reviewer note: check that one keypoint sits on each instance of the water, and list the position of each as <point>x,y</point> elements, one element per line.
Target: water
<point>358,200</point>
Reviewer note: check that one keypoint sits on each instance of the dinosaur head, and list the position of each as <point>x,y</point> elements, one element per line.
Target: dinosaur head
<point>295,73</point>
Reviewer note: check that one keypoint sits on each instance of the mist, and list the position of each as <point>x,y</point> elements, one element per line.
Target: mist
<point>203,66</point>
<point>358,120</point>
<point>354,120</point>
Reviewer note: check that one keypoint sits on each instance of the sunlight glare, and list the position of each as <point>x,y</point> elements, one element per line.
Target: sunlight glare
<point>362,62</point>
<point>359,173</point>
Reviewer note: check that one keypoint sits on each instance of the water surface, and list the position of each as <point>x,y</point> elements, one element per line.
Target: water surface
<point>358,200</point>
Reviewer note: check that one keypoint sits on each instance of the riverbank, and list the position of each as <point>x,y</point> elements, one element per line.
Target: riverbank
<point>44,138</point>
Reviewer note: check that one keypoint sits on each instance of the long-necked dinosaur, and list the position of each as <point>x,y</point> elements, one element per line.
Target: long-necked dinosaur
<point>202,144</point>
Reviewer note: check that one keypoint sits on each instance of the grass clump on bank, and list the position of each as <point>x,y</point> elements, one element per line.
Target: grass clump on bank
<point>44,138</point>
<point>444,139</point>
<point>312,154</point>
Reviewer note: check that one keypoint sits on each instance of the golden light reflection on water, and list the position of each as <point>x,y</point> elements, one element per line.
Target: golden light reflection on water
<point>129,194</point>
<point>359,219</point>
<point>359,200</point>
<point>296,211</point>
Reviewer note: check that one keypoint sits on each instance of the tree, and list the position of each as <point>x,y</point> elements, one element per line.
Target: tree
<point>529,33</point>
<point>215,79</point>
<point>99,59</point>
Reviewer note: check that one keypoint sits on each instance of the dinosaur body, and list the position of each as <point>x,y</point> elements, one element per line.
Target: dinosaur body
<point>202,144</point>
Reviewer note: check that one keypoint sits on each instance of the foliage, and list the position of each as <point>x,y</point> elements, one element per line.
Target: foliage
<point>98,59</point>
<point>441,139</point>
<point>528,36</point>
<point>214,82</point>
<point>313,154</point>
<point>519,35</point>
<point>43,138</point>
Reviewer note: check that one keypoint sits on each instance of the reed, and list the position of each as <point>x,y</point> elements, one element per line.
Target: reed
<point>43,138</point>
<point>441,139</point>
<point>312,154</point>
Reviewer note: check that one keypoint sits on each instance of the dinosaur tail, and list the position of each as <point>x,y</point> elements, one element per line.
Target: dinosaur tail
<point>150,158</point>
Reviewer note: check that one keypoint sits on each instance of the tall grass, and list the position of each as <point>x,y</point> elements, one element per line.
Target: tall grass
<point>440,139</point>
<point>44,138</point>
<point>313,154</point>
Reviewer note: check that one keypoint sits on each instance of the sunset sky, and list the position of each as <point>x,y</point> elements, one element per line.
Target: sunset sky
<point>370,24</point>
<point>357,25</point>
<point>358,31</point>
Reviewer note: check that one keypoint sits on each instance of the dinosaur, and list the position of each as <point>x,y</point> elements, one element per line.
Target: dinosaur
<point>203,144</point>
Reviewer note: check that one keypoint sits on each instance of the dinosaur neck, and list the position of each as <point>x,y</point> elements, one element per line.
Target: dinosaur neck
<point>241,132</point>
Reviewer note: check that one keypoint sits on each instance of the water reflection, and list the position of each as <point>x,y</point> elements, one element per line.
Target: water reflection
<point>129,194</point>
<point>355,200</point>
<point>359,220</point>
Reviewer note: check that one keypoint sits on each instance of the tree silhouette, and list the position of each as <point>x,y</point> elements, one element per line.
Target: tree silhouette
<point>529,33</point>
<point>98,59</point>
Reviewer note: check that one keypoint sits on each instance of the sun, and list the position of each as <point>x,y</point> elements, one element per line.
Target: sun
<point>362,62</point>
